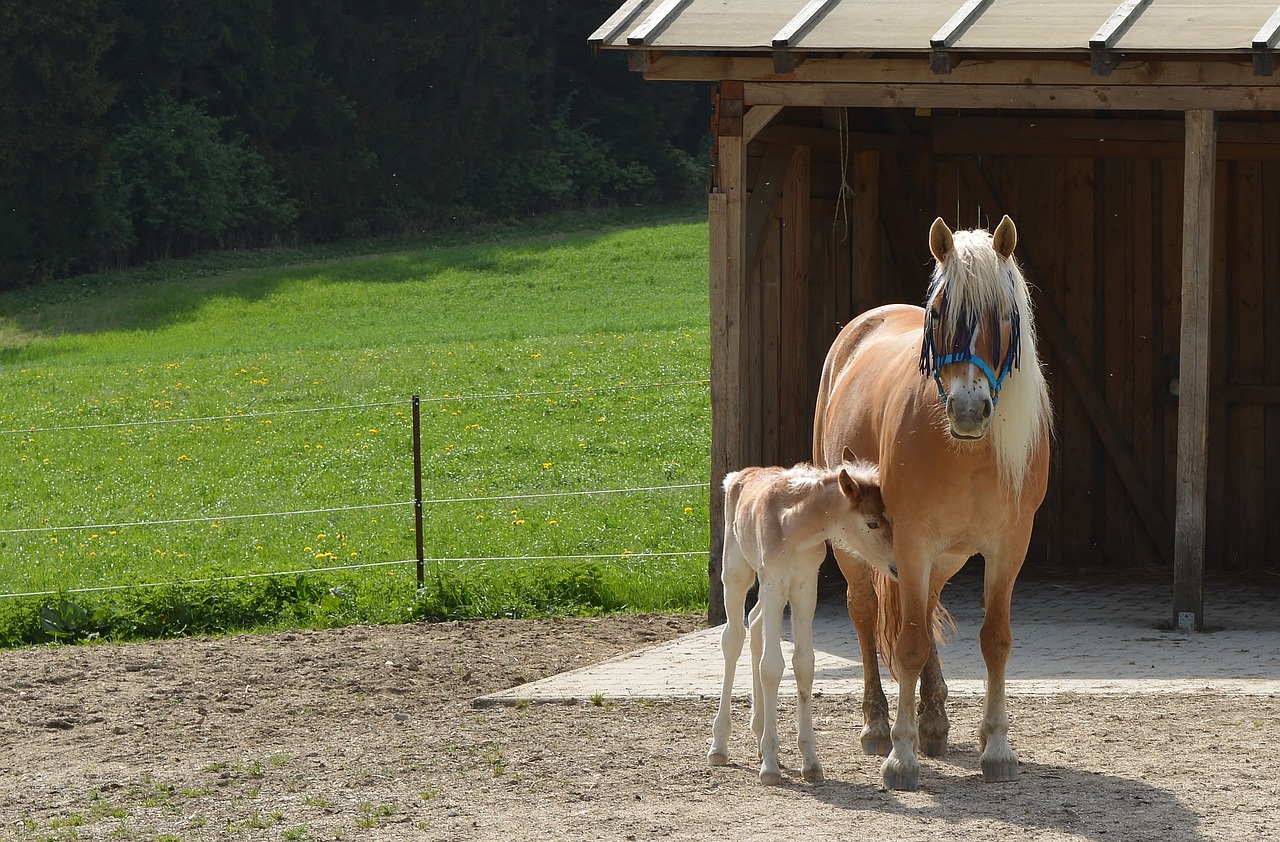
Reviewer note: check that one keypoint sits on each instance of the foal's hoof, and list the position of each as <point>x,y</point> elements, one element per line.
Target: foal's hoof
<point>770,778</point>
<point>717,758</point>
<point>814,775</point>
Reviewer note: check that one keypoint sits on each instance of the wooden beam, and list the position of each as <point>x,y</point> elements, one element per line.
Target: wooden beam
<point>950,33</point>
<point>1193,374</point>
<point>615,23</point>
<point>1111,31</point>
<point>653,25</point>
<point>796,430</point>
<point>1022,96</point>
<point>1053,328</point>
<point>727,288</point>
<point>1264,43</point>
<point>1049,70</point>
<point>756,119</point>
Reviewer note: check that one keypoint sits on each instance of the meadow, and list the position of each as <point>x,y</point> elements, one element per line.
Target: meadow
<point>225,443</point>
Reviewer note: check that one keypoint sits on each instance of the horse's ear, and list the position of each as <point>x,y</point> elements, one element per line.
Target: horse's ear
<point>850,488</point>
<point>847,455</point>
<point>1005,238</point>
<point>940,240</point>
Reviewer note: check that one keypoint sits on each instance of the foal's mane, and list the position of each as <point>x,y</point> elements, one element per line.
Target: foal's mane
<point>975,279</point>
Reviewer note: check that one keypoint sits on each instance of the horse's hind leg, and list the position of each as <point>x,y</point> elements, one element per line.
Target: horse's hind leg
<point>737,576</point>
<point>932,714</point>
<point>803,600</point>
<point>862,604</point>
<point>769,668</point>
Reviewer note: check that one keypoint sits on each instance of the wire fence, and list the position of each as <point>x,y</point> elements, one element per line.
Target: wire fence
<point>418,504</point>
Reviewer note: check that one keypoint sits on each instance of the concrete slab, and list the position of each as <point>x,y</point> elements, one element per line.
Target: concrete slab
<point>1081,636</point>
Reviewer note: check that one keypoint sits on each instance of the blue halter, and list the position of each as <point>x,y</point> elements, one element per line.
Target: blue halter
<point>932,363</point>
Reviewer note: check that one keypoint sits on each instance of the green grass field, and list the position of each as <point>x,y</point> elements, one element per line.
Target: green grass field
<point>151,417</point>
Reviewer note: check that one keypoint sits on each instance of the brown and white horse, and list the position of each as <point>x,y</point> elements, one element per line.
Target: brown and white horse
<point>776,525</point>
<point>951,403</point>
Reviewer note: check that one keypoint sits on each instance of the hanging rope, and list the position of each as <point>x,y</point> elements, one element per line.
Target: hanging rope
<point>842,197</point>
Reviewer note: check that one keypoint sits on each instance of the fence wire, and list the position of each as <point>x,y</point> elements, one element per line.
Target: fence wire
<point>446,398</point>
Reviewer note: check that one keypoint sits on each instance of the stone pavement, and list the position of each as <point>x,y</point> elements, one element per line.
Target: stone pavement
<point>1081,636</point>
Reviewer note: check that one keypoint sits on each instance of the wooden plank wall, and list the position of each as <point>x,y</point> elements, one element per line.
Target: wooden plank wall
<point>1103,231</point>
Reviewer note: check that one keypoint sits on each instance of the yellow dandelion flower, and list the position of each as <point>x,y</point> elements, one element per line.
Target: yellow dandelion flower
<point>546,466</point>
<point>688,510</point>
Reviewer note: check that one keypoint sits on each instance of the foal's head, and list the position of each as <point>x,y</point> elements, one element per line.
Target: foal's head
<point>974,318</point>
<point>862,524</point>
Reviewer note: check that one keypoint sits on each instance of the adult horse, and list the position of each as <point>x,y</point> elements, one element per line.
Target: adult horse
<point>951,403</point>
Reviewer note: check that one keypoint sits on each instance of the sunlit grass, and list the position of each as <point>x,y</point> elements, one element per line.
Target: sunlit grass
<point>186,401</point>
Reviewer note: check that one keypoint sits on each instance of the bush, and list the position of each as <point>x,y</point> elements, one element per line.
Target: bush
<point>173,185</point>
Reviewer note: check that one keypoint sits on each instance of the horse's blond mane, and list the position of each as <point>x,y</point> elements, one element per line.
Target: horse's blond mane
<point>978,279</point>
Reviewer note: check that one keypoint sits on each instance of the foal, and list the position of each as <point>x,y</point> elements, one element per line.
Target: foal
<point>776,523</point>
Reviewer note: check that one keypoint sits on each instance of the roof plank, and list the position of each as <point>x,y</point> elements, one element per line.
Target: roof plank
<point>616,22</point>
<point>1263,43</point>
<point>804,20</point>
<point>1112,31</point>
<point>656,22</point>
<point>960,21</point>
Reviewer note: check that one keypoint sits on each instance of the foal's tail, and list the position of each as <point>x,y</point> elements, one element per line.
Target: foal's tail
<point>889,621</point>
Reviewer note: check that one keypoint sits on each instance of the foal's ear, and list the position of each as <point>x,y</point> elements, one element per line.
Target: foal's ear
<point>850,488</point>
<point>940,240</point>
<point>1005,238</point>
<point>847,455</point>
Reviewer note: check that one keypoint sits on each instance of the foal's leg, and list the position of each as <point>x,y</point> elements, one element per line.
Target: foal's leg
<point>772,601</point>
<point>862,604</point>
<point>804,598</point>
<point>998,761</point>
<point>737,576</point>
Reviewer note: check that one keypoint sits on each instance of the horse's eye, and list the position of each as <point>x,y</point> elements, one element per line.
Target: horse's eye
<point>873,524</point>
<point>935,315</point>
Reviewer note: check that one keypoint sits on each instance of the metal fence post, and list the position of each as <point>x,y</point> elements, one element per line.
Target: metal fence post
<point>417,486</point>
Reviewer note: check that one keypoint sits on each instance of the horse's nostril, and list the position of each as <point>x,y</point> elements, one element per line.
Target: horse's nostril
<point>986,409</point>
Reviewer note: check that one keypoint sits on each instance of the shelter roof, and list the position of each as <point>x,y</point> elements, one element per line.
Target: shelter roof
<point>911,25</point>
<point>1246,30</point>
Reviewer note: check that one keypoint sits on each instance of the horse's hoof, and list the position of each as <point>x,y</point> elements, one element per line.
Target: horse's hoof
<point>934,746</point>
<point>901,782</point>
<point>999,773</point>
<point>770,778</point>
<point>900,776</point>
<point>718,758</point>
<point>876,741</point>
<point>877,747</point>
<point>814,775</point>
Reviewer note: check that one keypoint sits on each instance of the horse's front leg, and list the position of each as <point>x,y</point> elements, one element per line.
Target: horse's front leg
<point>901,769</point>
<point>862,605</point>
<point>998,761</point>
<point>803,602</point>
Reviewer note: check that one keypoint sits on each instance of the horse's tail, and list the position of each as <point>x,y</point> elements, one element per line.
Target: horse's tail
<point>889,620</point>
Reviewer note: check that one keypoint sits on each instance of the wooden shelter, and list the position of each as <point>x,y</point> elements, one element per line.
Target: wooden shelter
<point>1138,150</point>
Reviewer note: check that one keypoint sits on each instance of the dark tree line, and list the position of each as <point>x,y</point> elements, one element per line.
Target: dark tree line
<point>137,129</point>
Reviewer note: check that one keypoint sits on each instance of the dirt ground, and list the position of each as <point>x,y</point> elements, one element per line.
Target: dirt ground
<point>369,733</point>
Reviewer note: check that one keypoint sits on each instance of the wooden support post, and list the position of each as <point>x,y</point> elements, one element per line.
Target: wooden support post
<point>795,398</point>
<point>1193,375</point>
<point>727,271</point>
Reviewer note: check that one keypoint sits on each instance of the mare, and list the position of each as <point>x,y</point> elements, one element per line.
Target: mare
<point>777,522</point>
<point>950,402</point>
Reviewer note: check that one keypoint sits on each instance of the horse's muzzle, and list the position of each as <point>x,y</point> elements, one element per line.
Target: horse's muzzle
<point>969,418</point>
